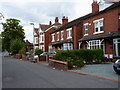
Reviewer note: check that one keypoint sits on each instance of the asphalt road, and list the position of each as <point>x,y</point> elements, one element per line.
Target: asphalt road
<point>24,74</point>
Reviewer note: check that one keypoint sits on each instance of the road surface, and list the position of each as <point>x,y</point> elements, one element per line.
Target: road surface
<point>24,74</point>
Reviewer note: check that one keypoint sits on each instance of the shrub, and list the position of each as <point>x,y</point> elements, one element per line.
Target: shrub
<point>16,45</point>
<point>87,55</point>
<point>79,63</point>
<point>70,63</point>
<point>38,51</point>
<point>23,52</point>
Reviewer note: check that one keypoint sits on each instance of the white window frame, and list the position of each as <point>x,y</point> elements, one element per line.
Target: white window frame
<point>69,34</point>
<point>58,36</point>
<point>86,29</point>
<point>99,25</point>
<point>53,37</point>
<point>42,38</point>
<point>36,40</point>
<point>95,44</point>
<point>116,42</point>
<point>62,35</point>
<point>67,46</point>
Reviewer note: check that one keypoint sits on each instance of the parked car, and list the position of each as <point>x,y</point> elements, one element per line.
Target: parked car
<point>47,53</point>
<point>116,65</point>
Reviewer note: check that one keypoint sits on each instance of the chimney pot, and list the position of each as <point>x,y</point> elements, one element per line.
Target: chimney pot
<point>56,19</point>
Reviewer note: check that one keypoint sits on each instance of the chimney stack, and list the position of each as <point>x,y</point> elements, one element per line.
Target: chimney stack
<point>95,6</point>
<point>50,23</point>
<point>56,20</point>
<point>64,20</point>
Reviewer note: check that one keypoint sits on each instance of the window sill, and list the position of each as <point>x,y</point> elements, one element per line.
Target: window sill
<point>85,34</point>
<point>98,32</point>
<point>52,41</point>
<point>69,37</point>
<point>41,42</point>
<point>62,39</point>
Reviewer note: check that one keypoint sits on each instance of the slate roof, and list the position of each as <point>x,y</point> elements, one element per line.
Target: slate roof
<point>36,30</point>
<point>101,36</point>
<point>44,27</point>
<point>80,19</point>
<point>61,42</point>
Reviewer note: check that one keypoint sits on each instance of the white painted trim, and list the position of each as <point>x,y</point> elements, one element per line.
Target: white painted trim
<point>61,35</point>
<point>57,36</point>
<point>86,24</point>
<point>98,32</point>
<point>53,39</point>
<point>98,20</point>
<point>85,34</point>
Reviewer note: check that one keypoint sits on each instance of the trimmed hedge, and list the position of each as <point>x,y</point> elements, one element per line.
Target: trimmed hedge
<point>77,57</point>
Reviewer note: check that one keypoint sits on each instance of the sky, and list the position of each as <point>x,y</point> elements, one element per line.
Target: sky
<point>43,11</point>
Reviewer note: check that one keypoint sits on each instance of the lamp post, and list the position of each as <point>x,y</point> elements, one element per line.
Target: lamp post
<point>33,34</point>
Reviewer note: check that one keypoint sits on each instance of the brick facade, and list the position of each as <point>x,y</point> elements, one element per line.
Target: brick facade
<point>100,27</point>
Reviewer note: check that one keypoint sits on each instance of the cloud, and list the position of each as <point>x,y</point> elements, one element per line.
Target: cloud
<point>43,11</point>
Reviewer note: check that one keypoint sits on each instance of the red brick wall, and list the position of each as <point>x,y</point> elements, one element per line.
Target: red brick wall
<point>110,24</point>
<point>77,33</point>
<point>110,21</point>
<point>47,41</point>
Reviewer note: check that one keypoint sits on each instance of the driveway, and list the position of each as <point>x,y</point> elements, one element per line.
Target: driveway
<point>24,74</point>
<point>104,70</point>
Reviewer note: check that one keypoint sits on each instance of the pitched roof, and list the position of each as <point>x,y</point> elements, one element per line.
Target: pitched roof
<point>101,36</point>
<point>44,27</point>
<point>36,30</point>
<point>28,43</point>
<point>80,19</point>
<point>61,42</point>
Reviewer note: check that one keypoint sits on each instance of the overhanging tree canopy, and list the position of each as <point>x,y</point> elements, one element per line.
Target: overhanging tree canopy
<point>12,30</point>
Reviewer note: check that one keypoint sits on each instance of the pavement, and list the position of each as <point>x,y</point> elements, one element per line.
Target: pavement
<point>104,71</point>
<point>99,70</point>
<point>25,74</point>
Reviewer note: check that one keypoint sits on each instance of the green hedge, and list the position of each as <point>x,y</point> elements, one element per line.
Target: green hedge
<point>82,55</point>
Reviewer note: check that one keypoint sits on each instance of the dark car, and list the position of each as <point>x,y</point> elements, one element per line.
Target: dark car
<point>116,65</point>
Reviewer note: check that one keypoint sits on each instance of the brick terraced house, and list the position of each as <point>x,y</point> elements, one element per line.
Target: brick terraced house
<point>98,29</point>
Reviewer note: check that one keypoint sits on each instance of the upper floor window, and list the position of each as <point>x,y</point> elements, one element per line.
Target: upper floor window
<point>36,40</point>
<point>69,33</point>
<point>53,37</point>
<point>85,29</point>
<point>98,26</point>
<point>62,35</point>
<point>57,36</point>
<point>41,38</point>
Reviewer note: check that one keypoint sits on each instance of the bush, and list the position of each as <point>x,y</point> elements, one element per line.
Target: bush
<point>79,63</point>
<point>38,51</point>
<point>87,55</point>
<point>16,45</point>
<point>23,52</point>
<point>70,63</point>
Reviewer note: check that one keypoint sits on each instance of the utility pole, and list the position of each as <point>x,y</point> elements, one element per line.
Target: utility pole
<point>33,34</point>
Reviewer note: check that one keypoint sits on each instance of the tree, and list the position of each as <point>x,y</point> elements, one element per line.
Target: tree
<point>12,30</point>
<point>16,45</point>
<point>38,51</point>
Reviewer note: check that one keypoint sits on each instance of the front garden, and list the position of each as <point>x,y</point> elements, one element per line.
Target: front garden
<point>78,58</point>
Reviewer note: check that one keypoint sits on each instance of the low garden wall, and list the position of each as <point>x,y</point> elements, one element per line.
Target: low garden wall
<point>42,58</point>
<point>58,64</point>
